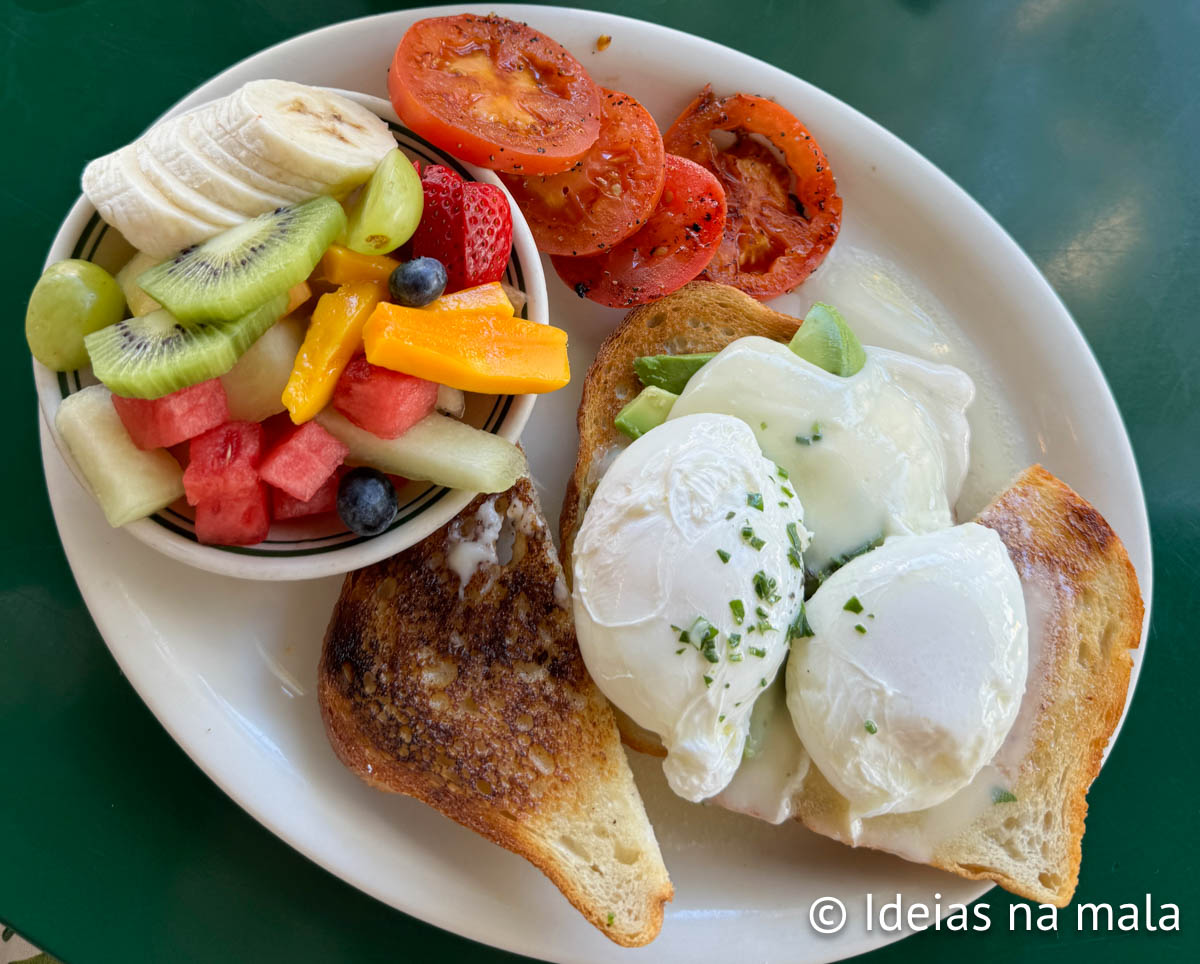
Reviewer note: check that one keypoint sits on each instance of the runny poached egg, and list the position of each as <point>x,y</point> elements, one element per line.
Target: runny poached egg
<point>687,574</point>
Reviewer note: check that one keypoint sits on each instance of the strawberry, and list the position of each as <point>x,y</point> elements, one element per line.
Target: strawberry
<point>466,226</point>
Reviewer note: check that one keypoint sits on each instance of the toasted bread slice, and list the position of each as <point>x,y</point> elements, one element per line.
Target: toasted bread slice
<point>700,317</point>
<point>1085,616</point>
<point>474,699</point>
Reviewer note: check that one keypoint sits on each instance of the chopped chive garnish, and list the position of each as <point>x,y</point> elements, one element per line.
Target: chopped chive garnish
<point>729,515</point>
<point>799,628</point>
<point>735,657</point>
<point>611,918</point>
<point>760,612</point>
<point>764,587</point>
<point>721,718</point>
<point>754,500</point>
<point>782,471</point>
<point>816,432</point>
<point>860,629</point>
<point>762,682</point>
<point>722,555</point>
<point>788,492</point>
<point>738,609</point>
<point>870,727</point>
<point>1000,795</point>
<point>755,542</point>
<point>708,681</point>
<point>783,505</point>
<point>735,640</point>
<point>853,605</point>
<point>762,424</point>
<point>680,650</point>
<point>760,653</point>
<point>803,440</point>
<point>794,558</point>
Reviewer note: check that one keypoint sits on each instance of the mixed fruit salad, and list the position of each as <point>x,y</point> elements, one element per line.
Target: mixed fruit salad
<point>305,298</point>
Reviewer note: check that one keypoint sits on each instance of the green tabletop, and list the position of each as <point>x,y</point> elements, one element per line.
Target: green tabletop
<point>1076,123</point>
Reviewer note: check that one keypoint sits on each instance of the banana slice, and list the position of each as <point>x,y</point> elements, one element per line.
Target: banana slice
<point>171,144</point>
<point>178,193</point>
<point>199,127</point>
<point>127,200</point>
<point>308,131</point>
<point>279,167</point>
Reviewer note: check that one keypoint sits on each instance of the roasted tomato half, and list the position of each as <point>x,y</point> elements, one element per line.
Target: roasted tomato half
<point>668,251</point>
<point>494,92</point>
<point>609,192</point>
<point>783,217</point>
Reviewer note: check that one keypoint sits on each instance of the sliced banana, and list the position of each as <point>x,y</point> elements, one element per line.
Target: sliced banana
<point>171,143</point>
<point>178,193</point>
<point>127,200</point>
<point>311,132</point>
<point>280,167</point>
<point>199,129</point>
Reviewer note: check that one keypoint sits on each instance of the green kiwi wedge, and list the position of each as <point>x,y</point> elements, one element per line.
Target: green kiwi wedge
<point>156,354</point>
<point>228,275</point>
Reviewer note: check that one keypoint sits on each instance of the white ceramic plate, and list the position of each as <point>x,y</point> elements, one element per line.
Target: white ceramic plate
<point>229,667</point>
<point>305,548</point>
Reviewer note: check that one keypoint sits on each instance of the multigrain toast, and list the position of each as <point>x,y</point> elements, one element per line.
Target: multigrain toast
<point>1079,585</point>
<point>474,699</point>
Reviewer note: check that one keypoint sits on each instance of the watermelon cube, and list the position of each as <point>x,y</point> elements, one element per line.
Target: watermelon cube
<point>303,461</point>
<point>381,401</point>
<point>159,423</point>
<point>223,462</point>
<point>285,506</point>
<point>242,519</point>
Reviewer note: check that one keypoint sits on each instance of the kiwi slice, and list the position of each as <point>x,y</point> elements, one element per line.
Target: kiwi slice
<point>156,354</point>
<point>229,274</point>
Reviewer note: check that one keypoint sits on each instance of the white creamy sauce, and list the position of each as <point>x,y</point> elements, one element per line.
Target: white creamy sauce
<point>766,784</point>
<point>473,542</point>
<point>662,549</point>
<point>886,306</point>
<point>916,669</point>
<point>880,453</point>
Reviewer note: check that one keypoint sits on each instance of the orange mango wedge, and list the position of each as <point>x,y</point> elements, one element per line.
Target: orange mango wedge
<point>334,336</point>
<point>476,351</point>
<point>341,266</point>
<point>489,298</point>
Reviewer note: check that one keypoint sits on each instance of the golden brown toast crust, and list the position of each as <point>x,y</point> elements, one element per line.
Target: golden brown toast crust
<point>700,317</point>
<point>1087,614</point>
<point>480,706</point>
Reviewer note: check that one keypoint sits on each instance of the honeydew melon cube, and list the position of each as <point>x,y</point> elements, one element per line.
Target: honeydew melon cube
<point>254,386</point>
<point>128,483</point>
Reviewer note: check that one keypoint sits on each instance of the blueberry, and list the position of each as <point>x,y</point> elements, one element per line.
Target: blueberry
<point>416,283</point>
<point>366,501</point>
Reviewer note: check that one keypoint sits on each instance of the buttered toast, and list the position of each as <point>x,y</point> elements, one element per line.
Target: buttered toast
<point>1085,612</point>
<point>451,673</point>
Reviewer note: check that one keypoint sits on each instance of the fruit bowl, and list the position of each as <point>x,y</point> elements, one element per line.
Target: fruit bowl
<point>322,546</point>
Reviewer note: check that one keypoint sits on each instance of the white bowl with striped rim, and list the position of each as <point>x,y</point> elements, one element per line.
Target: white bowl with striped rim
<point>321,546</point>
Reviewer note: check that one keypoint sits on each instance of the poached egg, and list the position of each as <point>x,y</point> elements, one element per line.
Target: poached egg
<point>915,672</point>
<point>687,574</point>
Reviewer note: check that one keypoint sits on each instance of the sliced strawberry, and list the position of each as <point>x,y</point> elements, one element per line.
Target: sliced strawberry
<point>466,226</point>
<point>489,233</point>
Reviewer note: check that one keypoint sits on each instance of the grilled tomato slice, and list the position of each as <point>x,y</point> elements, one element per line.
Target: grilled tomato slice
<point>494,92</point>
<point>783,217</point>
<point>668,251</point>
<point>607,194</point>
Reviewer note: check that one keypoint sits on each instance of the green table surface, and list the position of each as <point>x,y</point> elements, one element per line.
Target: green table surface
<point>1076,123</point>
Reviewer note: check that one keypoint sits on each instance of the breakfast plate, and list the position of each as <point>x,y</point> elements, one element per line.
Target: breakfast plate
<point>228,666</point>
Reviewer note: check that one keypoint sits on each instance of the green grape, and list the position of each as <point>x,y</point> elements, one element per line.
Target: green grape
<point>389,208</point>
<point>72,299</point>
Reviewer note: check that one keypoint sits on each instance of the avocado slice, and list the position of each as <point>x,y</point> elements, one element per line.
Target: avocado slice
<point>669,372</point>
<point>827,341</point>
<point>649,409</point>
